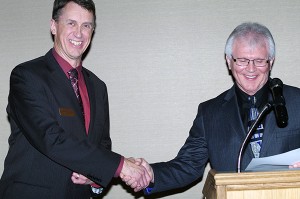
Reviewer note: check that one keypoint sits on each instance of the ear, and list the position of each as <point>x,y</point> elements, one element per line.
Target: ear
<point>271,63</point>
<point>228,61</point>
<point>53,26</point>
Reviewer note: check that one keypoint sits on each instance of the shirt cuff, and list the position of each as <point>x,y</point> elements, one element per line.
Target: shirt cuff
<point>117,173</point>
<point>95,185</point>
<point>149,188</point>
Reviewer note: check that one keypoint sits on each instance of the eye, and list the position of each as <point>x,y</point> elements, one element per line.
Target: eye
<point>71,23</point>
<point>243,60</point>
<point>88,26</point>
<point>259,61</point>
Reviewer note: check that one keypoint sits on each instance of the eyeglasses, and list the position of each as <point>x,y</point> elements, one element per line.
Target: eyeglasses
<point>243,62</point>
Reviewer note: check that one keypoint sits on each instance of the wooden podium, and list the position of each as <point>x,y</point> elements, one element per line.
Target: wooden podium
<point>252,185</point>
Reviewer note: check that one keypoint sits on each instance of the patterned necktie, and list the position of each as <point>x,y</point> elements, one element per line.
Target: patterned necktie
<point>256,139</point>
<point>73,74</point>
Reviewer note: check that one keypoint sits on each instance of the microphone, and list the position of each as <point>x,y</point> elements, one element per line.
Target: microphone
<point>281,114</point>
<point>278,102</point>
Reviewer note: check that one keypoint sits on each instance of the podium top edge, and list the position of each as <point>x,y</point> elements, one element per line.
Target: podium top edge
<point>255,177</point>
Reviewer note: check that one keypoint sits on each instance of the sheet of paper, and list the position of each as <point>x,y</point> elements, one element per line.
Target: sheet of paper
<point>276,162</point>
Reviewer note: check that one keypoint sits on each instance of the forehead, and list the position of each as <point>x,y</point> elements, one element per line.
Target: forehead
<point>74,11</point>
<point>250,45</point>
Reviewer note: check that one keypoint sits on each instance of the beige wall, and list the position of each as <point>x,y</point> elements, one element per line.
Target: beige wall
<point>159,59</point>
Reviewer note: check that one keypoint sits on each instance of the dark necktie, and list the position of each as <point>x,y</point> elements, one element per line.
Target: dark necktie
<point>73,74</point>
<point>256,139</point>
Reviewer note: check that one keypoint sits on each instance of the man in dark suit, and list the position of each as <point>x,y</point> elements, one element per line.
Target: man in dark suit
<point>221,124</point>
<point>57,132</point>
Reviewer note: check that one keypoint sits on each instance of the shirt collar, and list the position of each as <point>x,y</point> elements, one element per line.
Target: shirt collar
<point>261,96</point>
<point>66,67</point>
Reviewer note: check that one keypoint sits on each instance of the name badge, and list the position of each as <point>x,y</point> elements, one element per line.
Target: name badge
<point>67,112</point>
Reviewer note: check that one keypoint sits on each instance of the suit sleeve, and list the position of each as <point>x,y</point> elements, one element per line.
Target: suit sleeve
<point>187,166</point>
<point>33,110</point>
<point>106,141</point>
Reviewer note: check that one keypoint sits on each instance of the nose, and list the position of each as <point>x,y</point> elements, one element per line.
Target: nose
<point>78,32</point>
<point>251,67</point>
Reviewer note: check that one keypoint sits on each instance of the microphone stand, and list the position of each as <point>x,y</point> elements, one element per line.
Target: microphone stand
<point>262,113</point>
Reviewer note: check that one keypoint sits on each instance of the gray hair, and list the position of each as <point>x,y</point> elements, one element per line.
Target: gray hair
<point>255,31</point>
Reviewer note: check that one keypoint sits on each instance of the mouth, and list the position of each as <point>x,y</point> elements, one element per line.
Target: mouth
<point>75,43</point>
<point>250,76</point>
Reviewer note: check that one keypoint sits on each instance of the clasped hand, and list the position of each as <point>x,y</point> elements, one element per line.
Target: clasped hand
<point>136,173</point>
<point>80,179</point>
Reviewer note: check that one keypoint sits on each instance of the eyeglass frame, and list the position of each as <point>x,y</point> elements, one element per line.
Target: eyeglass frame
<point>253,60</point>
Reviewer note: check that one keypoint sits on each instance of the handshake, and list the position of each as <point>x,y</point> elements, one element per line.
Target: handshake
<point>136,173</point>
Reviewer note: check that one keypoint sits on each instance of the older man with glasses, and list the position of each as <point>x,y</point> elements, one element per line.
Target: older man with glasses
<point>222,123</point>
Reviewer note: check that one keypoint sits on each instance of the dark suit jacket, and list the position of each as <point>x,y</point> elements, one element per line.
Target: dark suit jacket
<point>48,139</point>
<point>216,137</point>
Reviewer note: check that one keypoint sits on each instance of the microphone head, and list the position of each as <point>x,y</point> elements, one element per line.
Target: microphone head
<point>276,87</point>
<point>275,82</point>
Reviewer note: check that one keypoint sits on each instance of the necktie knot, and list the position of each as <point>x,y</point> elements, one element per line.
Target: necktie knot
<point>73,74</point>
<point>252,100</point>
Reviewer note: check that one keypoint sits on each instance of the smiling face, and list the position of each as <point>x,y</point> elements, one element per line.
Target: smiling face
<point>250,78</point>
<point>72,32</point>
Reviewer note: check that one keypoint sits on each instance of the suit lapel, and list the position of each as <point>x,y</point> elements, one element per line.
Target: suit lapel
<point>59,80</point>
<point>231,108</point>
<point>91,94</point>
<point>236,123</point>
<point>269,133</point>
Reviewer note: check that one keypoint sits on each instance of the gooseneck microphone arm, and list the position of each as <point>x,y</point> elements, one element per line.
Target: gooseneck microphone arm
<point>262,113</point>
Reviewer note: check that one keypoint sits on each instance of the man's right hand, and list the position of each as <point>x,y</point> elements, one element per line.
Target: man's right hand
<point>135,174</point>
